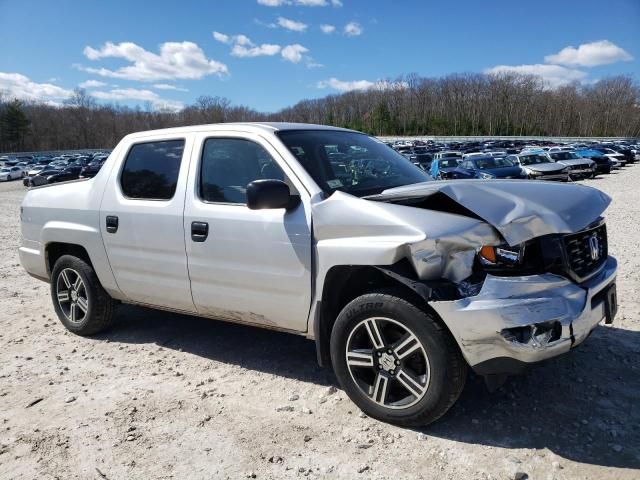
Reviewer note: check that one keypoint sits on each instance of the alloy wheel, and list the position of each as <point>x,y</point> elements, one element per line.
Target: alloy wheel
<point>388,362</point>
<point>72,295</point>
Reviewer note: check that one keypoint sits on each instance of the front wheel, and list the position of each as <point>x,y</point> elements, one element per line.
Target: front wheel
<point>80,302</point>
<point>396,361</point>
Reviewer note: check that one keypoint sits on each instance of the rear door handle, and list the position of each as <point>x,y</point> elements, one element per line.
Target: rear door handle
<point>112,224</point>
<point>199,231</point>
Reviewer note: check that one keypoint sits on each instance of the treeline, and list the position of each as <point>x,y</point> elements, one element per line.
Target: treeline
<point>462,104</point>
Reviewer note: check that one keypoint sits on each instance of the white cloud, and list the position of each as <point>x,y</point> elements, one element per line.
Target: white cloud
<point>221,37</point>
<point>327,28</point>
<point>176,60</point>
<point>353,29</point>
<point>553,75</point>
<point>301,3</point>
<point>292,24</point>
<point>124,94</point>
<point>347,86</point>
<point>591,54</point>
<point>266,49</point>
<point>15,85</point>
<point>243,47</point>
<point>311,3</point>
<point>92,84</point>
<point>168,86</point>
<point>293,53</point>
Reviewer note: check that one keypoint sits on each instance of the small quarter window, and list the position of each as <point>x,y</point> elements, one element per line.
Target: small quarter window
<point>151,170</point>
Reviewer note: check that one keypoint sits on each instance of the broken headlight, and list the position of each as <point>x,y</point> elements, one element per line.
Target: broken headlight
<point>501,255</point>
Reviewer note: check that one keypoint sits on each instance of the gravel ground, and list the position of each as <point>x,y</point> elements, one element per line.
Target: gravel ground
<point>170,396</point>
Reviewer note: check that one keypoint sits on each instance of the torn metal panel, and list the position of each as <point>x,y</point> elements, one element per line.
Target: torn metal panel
<point>354,231</point>
<point>519,210</point>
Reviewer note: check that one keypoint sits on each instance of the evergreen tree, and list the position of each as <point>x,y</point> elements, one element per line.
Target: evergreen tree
<point>15,126</point>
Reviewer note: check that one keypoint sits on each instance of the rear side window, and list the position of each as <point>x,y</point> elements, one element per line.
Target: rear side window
<point>151,170</point>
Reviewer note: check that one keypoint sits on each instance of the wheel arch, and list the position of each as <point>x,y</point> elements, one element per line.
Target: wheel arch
<point>343,283</point>
<point>55,250</point>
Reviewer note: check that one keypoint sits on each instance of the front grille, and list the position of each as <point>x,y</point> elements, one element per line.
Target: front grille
<point>579,246</point>
<point>579,167</point>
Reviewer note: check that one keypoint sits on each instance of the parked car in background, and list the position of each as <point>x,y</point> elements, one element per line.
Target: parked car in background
<point>447,154</point>
<point>489,167</point>
<point>71,172</point>
<point>41,178</point>
<point>24,166</point>
<point>538,166</point>
<point>579,167</point>
<point>446,168</point>
<point>92,168</point>
<point>626,152</point>
<point>618,158</point>
<point>35,169</point>
<point>10,173</point>
<point>603,163</point>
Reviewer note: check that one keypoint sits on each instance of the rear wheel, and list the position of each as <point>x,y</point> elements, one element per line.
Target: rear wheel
<point>395,361</point>
<point>80,302</point>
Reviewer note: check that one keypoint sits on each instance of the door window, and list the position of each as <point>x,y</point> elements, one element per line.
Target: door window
<point>229,165</point>
<point>151,170</point>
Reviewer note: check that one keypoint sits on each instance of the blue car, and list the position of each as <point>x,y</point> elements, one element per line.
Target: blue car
<point>486,167</point>
<point>445,168</point>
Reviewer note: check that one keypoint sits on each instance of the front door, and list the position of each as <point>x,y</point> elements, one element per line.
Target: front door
<point>245,265</point>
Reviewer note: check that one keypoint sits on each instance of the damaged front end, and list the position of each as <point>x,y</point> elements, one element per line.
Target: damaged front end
<point>518,271</point>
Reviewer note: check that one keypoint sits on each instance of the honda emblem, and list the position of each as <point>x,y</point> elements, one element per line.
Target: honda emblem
<point>594,247</point>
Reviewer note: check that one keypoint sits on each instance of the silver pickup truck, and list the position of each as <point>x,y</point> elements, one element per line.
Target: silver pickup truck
<point>403,282</point>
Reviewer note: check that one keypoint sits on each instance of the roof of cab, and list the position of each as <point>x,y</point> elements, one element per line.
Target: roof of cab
<point>251,127</point>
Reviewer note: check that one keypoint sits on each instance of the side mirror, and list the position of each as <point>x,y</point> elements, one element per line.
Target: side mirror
<point>268,193</point>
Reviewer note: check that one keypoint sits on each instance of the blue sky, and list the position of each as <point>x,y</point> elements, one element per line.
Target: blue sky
<point>269,54</point>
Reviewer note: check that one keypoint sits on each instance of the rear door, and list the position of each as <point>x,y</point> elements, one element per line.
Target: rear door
<point>245,265</point>
<point>141,219</point>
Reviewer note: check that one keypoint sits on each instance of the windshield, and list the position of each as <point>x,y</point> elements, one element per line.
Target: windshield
<point>534,159</point>
<point>350,162</point>
<point>450,162</point>
<point>565,156</point>
<point>492,162</point>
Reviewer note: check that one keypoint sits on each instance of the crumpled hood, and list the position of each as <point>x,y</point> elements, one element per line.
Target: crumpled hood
<point>520,210</point>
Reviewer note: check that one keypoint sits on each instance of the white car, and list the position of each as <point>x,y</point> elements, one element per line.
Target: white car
<point>35,170</point>
<point>25,167</point>
<point>561,149</point>
<point>10,173</point>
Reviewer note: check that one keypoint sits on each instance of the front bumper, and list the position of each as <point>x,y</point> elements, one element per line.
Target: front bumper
<point>562,177</point>
<point>582,172</point>
<point>479,323</point>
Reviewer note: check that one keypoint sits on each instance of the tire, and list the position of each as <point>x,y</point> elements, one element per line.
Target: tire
<point>434,369</point>
<point>83,306</point>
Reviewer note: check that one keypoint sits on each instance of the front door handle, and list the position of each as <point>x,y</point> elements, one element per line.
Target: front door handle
<point>112,224</point>
<point>199,231</point>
